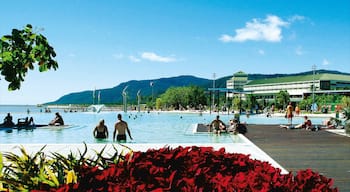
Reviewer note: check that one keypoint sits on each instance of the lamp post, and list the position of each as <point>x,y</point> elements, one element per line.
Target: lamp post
<point>152,84</point>
<point>124,93</point>
<point>213,102</point>
<point>313,88</point>
<point>138,100</point>
<point>93,96</point>
<point>99,98</point>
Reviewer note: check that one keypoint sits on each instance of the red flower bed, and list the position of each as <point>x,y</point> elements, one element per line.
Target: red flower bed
<point>194,169</point>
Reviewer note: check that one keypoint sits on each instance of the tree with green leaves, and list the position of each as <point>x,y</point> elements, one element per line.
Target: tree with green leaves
<point>158,103</point>
<point>282,98</point>
<point>196,96</point>
<point>345,101</point>
<point>181,97</point>
<point>305,103</point>
<point>20,51</point>
<point>237,102</point>
<point>251,102</point>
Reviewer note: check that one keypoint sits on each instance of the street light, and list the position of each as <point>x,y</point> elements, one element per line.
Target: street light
<point>152,84</point>
<point>213,102</point>
<point>313,106</point>
<point>138,100</point>
<point>124,93</point>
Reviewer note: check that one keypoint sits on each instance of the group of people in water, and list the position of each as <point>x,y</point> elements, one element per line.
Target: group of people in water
<point>120,129</point>
<point>21,122</point>
<point>218,126</point>
<point>99,132</point>
<point>29,121</point>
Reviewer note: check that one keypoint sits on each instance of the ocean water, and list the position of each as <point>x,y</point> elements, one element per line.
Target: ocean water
<point>153,127</point>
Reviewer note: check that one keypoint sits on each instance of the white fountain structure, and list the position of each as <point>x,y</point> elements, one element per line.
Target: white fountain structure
<point>96,108</point>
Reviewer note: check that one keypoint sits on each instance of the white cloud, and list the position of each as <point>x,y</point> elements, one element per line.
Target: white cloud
<point>299,51</point>
<point>295,18</point>
<point>325,62</point>
<point>134,59</point>
<point>154,57</point>
<point>269,29</point>
<point>261,52</point>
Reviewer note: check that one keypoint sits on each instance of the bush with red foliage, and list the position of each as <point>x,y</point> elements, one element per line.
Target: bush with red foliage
<point>194,169</point>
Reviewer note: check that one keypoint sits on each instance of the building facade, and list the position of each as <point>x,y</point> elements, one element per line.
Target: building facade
<point>237,82</point>
<point>297,86</point>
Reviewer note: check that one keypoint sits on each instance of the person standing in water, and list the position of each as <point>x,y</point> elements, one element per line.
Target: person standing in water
<point>101,130</point>
<point>289,113</point>
<point>120,128</point>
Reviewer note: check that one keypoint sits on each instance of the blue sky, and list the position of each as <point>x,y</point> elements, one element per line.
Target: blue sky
<point>100,44</point>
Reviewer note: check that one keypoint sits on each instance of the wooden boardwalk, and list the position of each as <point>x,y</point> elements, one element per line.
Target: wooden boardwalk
<point>323,152</point>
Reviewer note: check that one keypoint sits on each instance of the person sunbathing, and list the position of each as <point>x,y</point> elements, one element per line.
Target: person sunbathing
<point>307,125</point>
<point>332,123</point>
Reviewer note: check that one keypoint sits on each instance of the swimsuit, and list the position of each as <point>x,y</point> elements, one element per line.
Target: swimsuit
<point>121,137</point>
<point>100,135</point>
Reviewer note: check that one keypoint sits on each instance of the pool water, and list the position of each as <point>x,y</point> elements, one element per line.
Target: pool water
<point>153,127</point>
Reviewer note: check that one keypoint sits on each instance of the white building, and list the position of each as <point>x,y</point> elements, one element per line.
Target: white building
<point>298,86</point>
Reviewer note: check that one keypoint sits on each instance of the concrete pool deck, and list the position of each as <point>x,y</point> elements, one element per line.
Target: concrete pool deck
<point>245,146</point>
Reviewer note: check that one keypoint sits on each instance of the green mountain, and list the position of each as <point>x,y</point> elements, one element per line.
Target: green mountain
<point>114,95</point>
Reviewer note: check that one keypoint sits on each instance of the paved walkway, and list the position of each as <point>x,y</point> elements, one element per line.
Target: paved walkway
<point>322,151</point>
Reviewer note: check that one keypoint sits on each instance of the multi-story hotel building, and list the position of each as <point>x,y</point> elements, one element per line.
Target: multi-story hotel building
<point>237,82</point>
<point>297,86</point>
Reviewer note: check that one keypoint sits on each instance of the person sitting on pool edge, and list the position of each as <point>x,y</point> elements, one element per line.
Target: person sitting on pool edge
<point>119,128</point>
<point>101,130</point>
<point>58,120</point>
<point>218,125</point>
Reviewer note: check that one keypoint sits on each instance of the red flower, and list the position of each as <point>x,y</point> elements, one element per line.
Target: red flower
<point>194,169</point>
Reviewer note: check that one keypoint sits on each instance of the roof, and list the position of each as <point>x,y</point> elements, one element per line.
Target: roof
<point>298,78</point>
<point>240,74</point>
<point>228,90</point>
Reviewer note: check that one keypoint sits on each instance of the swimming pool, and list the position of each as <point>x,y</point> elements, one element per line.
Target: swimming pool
<point>149,130</point>
<point>153,127</point>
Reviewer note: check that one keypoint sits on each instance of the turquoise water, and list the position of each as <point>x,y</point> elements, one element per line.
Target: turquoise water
<point>145,127</point>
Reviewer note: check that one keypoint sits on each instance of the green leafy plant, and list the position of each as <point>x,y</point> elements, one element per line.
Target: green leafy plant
<point>1,166</point>
<point>20,50</point>
<point>26,172</point>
